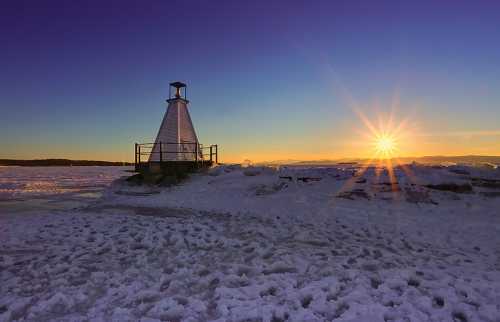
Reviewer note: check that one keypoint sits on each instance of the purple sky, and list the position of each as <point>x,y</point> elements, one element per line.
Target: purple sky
<point>267,79</point>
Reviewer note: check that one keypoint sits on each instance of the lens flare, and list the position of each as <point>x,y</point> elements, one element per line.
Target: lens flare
<point>386,140</point>
<point>385,145</point>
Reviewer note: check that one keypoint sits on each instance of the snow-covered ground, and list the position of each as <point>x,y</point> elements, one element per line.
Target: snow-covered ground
<point>261,244</point>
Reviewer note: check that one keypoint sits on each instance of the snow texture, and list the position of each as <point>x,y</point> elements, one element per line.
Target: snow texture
<point>256,244</point>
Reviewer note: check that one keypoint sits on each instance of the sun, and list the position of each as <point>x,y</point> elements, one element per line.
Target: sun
<point>385,144</point>
<point>384,137</point>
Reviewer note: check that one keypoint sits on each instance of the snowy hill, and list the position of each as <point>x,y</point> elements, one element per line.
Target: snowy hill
<point>299,191</point>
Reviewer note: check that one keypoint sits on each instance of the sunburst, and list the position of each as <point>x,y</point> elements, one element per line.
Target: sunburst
<point>385,145</point>
<point>385,140</point>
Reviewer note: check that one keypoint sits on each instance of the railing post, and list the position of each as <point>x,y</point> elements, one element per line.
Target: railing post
<point>216,154</point>
<point>139,154</point>
<point>211,154</point>
<point>135,154</point>
<point>161,154</point>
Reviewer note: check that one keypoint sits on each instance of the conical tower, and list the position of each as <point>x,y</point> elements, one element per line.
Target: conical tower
<point>176,139</point>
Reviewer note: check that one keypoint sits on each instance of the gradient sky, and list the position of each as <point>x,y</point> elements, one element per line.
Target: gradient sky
<point>267,80</point>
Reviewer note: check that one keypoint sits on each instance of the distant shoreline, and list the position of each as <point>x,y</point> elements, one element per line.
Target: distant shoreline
<point>430,160</point>
<point>60,163</point>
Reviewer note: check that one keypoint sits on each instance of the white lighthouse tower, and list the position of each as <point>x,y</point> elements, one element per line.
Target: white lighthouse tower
<point>176,139</point>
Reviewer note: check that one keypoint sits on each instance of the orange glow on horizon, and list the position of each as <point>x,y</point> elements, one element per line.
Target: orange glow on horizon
<point>384,141</point>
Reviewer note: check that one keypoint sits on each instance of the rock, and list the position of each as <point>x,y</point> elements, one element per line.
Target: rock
<point>386,187</point>
<point>418,196</point>
<point>459,170</point>
<point>486,183</point>
<point>308,179</point>
<point>167,181</point>
<point>216,171</point>
<point>136,179</point>
<point>158,179</point>
<point>252,171</point>
<point>353,194</point>
<point>255,171</point>
<point>268,190</point>
<point>491,194</point>
<point>452,187</point>
<point>232,167</point>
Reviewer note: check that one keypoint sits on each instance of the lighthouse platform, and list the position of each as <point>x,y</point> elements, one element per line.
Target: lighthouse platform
<point>174,158</point>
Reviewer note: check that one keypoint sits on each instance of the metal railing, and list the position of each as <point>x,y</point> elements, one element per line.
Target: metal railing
<point>172,152</point>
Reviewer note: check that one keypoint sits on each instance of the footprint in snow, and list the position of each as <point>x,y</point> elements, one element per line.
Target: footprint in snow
<point>437,302</point>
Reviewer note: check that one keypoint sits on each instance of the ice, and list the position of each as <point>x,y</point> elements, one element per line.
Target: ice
<point>30,182</point>
<point>277,245</point>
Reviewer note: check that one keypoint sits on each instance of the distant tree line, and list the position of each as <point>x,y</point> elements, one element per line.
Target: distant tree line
<point>59,162</point>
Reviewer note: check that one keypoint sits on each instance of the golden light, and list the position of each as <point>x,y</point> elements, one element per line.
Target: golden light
<point>385,138</point>
<point>383,141</point>
<point>385,145</point>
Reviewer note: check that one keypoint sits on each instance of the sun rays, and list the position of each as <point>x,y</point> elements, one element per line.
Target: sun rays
<point>384,140</point>
<point>381,135</point>
<point>385,144</point>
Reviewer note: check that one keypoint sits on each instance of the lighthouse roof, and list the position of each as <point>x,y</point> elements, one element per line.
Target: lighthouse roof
<point>178,84</point>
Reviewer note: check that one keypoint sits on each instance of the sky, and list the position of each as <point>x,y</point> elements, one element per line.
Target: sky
<point>267,80</point>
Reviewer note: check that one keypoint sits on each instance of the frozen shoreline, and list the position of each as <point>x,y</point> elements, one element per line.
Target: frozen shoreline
<point>27,189</point>
<point>231,247</point>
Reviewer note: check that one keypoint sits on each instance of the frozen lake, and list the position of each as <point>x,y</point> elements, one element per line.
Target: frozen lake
<point>44,188</point>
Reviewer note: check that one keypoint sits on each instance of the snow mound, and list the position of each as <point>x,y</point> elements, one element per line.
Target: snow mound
<point>302,191</point>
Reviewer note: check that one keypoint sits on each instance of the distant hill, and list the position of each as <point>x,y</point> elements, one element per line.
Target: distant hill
<point>59,162</point>
<point>467,159</point>
<point>463,159</point>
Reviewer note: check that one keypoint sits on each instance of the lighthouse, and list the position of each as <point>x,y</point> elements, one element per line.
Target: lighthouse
<point>176,139</point>
<point>176,150</point>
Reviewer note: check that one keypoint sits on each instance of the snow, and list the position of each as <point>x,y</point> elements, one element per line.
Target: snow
<point>253,244</point>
